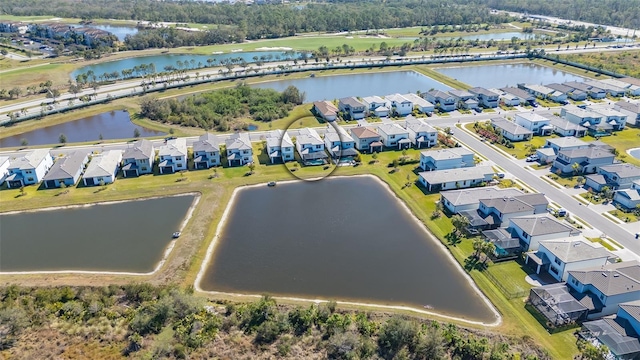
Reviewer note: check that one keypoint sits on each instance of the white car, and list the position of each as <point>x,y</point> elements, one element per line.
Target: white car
<point>532,158</point>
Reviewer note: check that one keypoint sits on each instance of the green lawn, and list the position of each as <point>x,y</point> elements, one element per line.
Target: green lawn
<point>566,181</point>
<point>522,149</point>
<point>605,244</point>
<point>628,138</point>
<point>592,198</point>
<point>511,275</point>
<point>624,216</point>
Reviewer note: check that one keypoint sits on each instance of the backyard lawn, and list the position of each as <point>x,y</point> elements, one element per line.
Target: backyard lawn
<point>628,138</point>
<point>624,216</point>
<point>566,181</point>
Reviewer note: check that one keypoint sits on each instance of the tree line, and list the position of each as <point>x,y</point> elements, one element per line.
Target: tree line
<point>217,109</point>
<point>146,321</point>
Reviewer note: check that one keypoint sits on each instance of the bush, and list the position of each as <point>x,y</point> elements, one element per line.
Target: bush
<point>343,346</point>
<point>395,334</point>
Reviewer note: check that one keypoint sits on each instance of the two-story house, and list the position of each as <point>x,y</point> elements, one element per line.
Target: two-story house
<point>366,139</point>
<point>4,168</point>
<point>28,167</point>
<point>326,110</point>
<point>504,209</point>
<point>339,143</point>
<point>310,146</point>
<point>565,144</point>
<point>486,97</point>
<point>616,119</point>
<point>469,199</point>
<point>172,156</point>
<point>628,198</point>
<point>399,105</point>
<point>619,333</point>
<point>558,257</point>
<point>533,229</point>
<point>524,96</point>
<point>103,168</point>
<point>419,103</point>
<point>510,130</point>
<point>279,146</point>
<point>538,124</point>
<point>612,90</point>
<point>465,99</point>
<point>206,152</point>
<point>545,92</point>
<point>421,134</point>
<point>573,94</point>
<point>589,119</point>
<point>633,85</point>
<point>620,176</point>
<point>138,158</point>
<point>583,161</point>
<point>443,159</point>
<point>238,149</point>
<point>564,127</point>
<point>66,170</point>
<point>506,98</point>
<point>592,91</point>
<point>394,136</point>
<point>443,101</point>
<point>632,111</point>
<point>353,107</point>
<point>376,106</point>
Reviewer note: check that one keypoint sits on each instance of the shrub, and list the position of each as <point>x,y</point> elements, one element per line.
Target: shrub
<point>343,346</point>
<point>395,334</point>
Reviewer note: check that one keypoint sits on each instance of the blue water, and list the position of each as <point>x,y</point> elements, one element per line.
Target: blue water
<point>118,30</point>
<point>635,153</point>
<point>493,36</point>
<point>497,76</point>
<point>375,83</point>
<point>160,61</point>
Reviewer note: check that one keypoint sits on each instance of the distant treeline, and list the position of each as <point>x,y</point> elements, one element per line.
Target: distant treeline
<point>217,109</point>
<point>171,38</point>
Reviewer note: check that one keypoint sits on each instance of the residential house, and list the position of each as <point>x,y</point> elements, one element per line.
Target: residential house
<point>596,182</point>
<point>4,168</point>
<point>523,95</point>
<point>238,149</point>
<point>310,146</point>
<point>66,170</point>
<point>462,96</point>
<point>557,304</point>
<point>612,90</point>
<point>592,91</point>
<point>504,209</point>
<point>621,176</point>
<point>420,104</point>
<point>618,333</point>
<point>421,134</point>
<point>103,168</point>
<point>28,167</point>
<point>506,246</point>
<point>602,289</point>
<point>326,110</point>
<point>279,146</point>
<point>439,180</point>
<point>630,81</point>
<point>394,136</point>
<point>511,130</point>
<point>531,230</point>
<point>339,143</point>
<point>589,119</point>
<point>583,161</point>
<point>632,110</point>
<point>355,109</point>
<point>366,139</point>
<point>172,156</point>
<point>538,124</point>
<point>631,89</point>
<point>469,199</point>
<point>628,198</point>
<point>572,93</point>
<point>444,159</point>
<point>565,127</point>
<point>544,92</point>
<point>486,98</point>
<point>206,152</point>
<point>565,143</point>
<point>612,117</point>
<point>443,101</point>
<point>558,257</point>
<point>375,105</point>
<point>399,105</point>
<point>546,155</point>
<point>507,98</point>
<point>138,159</point>
<point>469,104</point>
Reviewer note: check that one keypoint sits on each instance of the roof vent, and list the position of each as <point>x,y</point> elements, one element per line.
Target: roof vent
<point>604,274</point>
<point>616,275</point>
<point>576,244</point>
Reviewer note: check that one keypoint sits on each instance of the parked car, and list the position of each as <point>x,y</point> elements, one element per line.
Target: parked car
<point>561,212</point>
<point>533,103</point>
<point>500,175</point>
<point>532,158</point>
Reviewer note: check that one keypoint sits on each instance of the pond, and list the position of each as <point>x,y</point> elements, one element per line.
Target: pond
<point>120,31</point>
<point>635,153</point>
<point>160,61</point>
<point>374,83</point>
<point>111,125</point>
<point>346,239</point>
<point>124,237</point>
<point>497,76</point>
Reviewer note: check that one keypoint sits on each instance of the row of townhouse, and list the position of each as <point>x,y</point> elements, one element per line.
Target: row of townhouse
<point>582,90</point>
<point>356,109</point>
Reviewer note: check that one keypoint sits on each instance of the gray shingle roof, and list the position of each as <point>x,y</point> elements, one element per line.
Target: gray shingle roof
<point>446,154</point>
<point>66,167</point>
<point>238,141</point>
<point>419,126</point>
<point>510,126</point>
<point>392,129</point>
<point>174,147</point>
<point>439,94</point>
<point>540,225</point>
<point>589,153</point>
<point>451,175</point>
<point>29,159</point>
<point>508,205</point>
<point>461,93</point>
<point>622,170</point>
<point>482,91</point>
<point>632,308</point>
<point>141,149</point>
<point>597,178</point>
<point>351,102</point>
<point>613,279</point>
<point>278,138</point>
<point>567,141</point>
<point>473,196</point>
<point>104,164</point>
<point>563,124</point>
<point>631,107</point>
<point>206,143</point>
<point>575,250</point>
<point>517,92</point>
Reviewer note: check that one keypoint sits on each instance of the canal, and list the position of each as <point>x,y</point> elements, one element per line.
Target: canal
<point>346,239</point>
<point>109,125</point>
<point>124,237</point>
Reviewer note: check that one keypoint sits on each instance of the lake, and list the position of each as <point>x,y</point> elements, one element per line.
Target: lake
<point>160,61</point>
<point>497,76</point>
<point>125,237</point>
<point>635,153</point>
<point>343,238</point>
<point>112,125</point>
<point>120,31</point>
<point>374,83</point>
<point>493,36</point>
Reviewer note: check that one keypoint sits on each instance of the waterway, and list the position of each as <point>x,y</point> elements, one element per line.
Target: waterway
<point>111,125</point>
<point>161,61</point>
<point>374,83</point>
<point>124,237</point>
<point>501,75</point>
<point>342,238</point>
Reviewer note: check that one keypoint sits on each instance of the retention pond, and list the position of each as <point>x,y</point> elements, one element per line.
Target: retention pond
<point>127,236</point>
<point>348,239</point>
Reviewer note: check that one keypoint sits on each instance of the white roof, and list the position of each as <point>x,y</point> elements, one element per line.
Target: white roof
<point>341,135</point>
<point>29,159</point>
<point>278,138</point>
<point>417,100</point>
<point>309,136</point>
<point>392,129</point>
<point>396,98</point>
<point>174,147</point>
<point>567,141</point>
<point>609,112</point>
<point>541,89</point>
<point>453,175</point>
<point>418,125</point>
<point>238,141</point>
<point>531,116</point>
<point>373,99</point>
<point>104,164</point>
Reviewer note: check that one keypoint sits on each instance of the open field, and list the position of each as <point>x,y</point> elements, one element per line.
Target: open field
<point>623,62</point>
